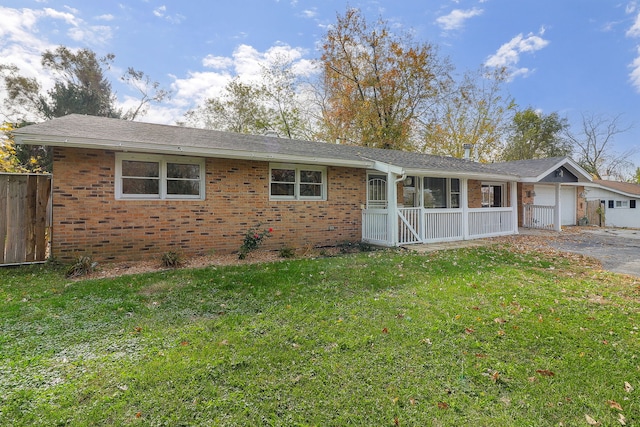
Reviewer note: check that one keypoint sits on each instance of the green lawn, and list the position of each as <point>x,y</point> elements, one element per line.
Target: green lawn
<point>475,337</point>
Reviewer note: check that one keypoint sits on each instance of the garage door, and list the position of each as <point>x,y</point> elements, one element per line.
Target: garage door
<point>546,196</point>
<point>568,206</point>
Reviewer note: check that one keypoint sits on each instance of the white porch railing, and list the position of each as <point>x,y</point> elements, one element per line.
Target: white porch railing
<point>418,225</point>
<point>487,222</point>
<point>409,225</point>
<point>375,226</point>
<point>443,225</point>
<point>538,216</point>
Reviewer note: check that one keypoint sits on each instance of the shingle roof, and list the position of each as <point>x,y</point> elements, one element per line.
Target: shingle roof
<point>100,132</point>
<point>625,187</point>
<point>533,170</point>
<point>531,167</point>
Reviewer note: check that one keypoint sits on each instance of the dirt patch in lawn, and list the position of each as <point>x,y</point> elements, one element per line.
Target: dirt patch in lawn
<point>259,256</point>
<point>531,240</point>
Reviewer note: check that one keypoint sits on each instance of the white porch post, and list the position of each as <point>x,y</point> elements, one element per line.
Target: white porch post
<point>514,205</point>
<point>556,213</point>
<point>464,204</point>
<point>392,209</point>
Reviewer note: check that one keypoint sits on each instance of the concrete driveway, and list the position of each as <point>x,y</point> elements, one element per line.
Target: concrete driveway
<point>617,249</point>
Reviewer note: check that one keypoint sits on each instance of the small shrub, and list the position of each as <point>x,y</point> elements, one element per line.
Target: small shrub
<point>81,267</point>
<point>252,240</point>
<point>171,259</point>
<point>287,252</point>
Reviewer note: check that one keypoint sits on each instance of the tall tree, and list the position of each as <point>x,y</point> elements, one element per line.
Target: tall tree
<point>475,111</point>
<point>149,92</point>
<point>377,83</point>
<point>535,136</point>
<point>594,146</point>
<point>238,109</point>
<point>80,86</point>
<point>280,87</point>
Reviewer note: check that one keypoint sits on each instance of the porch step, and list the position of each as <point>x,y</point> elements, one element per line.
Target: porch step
<point>431,247</point>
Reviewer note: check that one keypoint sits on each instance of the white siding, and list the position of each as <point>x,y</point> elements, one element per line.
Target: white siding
<point>546,196</point>
<point>616,217</point>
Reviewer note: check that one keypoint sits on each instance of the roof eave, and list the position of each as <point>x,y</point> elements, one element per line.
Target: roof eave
<point>462,174</point>
<point>141,147</point>
<point>613,190</point>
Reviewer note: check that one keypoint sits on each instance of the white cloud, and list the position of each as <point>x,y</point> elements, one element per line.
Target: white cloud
<point>55,14</point>
<point>105,17</point>
<point>634,32</point>
<point>246,63</point>
<point>159,12</point>
<point>217,62</point>
<point>23,39</point>
<point>456,19</point>
<point>508,55</point>
<point>635,72</point>
<point>93,35</point>
<point>310,13</point>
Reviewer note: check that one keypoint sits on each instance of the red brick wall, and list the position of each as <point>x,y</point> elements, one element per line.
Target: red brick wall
<point>88,220</point>
<point>474,193</point>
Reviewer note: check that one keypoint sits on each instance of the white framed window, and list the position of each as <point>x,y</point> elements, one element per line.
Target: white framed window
<point>149,176</point>
<point>493,195</point>
<point>622,203</point>
<point>376,191</point>
<point>297,182</point>
<point>441,192</point>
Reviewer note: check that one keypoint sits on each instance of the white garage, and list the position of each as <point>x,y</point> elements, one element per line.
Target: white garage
<point>545,195</point>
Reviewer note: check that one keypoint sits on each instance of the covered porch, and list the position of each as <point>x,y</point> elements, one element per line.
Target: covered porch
<point>413,208</point>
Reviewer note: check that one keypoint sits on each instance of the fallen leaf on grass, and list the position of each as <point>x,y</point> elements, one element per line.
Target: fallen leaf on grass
<point>443,405</point>
<point>499,320</point>
<point>591,421</point>
<point>138,414</point>
<point>184,343</point>
<point>627,387</point>
<point>622,420</point>
<point>614,405</point>
<point>385,331</point>
<point>545,372</point>
<point>469,330</point>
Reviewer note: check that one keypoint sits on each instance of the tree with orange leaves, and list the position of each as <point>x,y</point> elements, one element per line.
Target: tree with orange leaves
<point>377,84</point>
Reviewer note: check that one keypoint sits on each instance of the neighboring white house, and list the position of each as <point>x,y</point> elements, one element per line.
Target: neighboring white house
<point>619,201</point>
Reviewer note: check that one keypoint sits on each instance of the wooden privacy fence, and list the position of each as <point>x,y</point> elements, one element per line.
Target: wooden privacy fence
<point>25,206</point>
<point>594,213</point>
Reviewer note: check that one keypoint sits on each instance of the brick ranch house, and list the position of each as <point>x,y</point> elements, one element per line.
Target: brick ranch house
<point>127,190</point>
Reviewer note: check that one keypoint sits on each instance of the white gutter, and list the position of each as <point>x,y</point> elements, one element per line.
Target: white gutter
<point>467,175</point>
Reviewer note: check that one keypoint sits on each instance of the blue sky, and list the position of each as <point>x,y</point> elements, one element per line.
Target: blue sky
<point>565,56</point>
